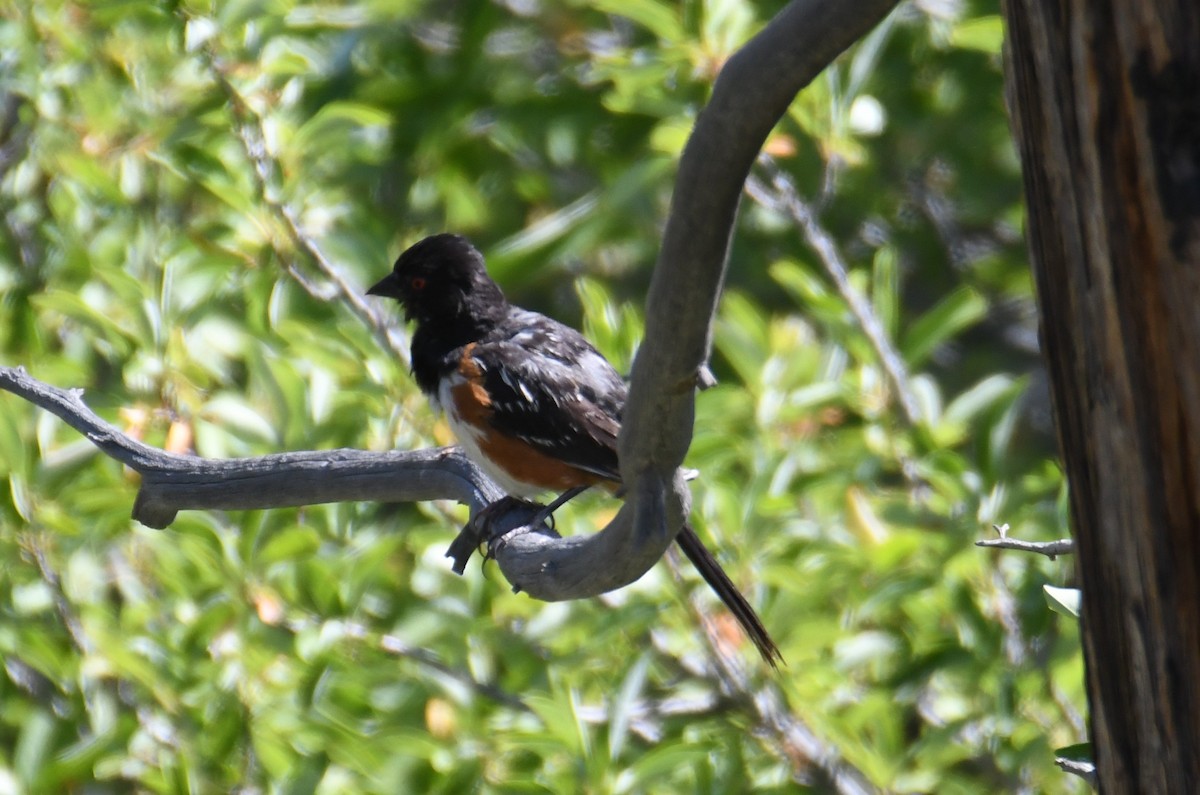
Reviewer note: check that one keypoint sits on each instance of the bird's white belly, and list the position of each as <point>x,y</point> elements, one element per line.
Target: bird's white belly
<point>469,439</point>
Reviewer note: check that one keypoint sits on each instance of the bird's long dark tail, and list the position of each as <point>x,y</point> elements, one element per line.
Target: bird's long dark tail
<point>719,581</point>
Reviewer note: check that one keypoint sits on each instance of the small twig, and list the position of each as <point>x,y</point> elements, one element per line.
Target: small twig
<point>962,247</point>
<point>34,683</point>
<point>1067,707</point>
<point>804,750</point>
<point>829,181</point>
<point>83,644</point>
<point>807,753</point>
<point>1004,602</point>
<point>1051,549</point>
<point>320,292</point>
<point>783,197</point>
<point>89,683</point>
<point>646,717</point>
<point>13,135</point>
<point>248,128</point>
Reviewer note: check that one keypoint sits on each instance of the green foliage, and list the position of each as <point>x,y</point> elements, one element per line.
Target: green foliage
<point>153,160</point>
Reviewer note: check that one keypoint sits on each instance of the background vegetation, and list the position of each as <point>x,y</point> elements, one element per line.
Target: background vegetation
<point>168,172</point>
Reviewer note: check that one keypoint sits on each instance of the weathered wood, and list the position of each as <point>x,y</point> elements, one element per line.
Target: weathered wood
<point>171,483</point>
<point>1105,99</point>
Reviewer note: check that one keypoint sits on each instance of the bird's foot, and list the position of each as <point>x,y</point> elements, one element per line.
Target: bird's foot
<point>502,519</point>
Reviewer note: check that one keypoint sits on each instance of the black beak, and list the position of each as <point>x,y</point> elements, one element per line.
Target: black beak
<point>387,287</point>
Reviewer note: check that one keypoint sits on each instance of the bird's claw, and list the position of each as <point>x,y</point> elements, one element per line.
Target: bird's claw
<point>506,517</point>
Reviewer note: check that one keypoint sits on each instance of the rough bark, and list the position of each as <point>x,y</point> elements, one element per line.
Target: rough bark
<point>1105,99</point>
<point>172,483</point>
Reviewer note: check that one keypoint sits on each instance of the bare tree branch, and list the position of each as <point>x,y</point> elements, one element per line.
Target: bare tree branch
<point>814,761</point>
<point>172,483</point>
<point>783,197</point>
<point>1051,549</point>
<point>248,128</point>
<point>751,93</point>
<point>66,613</point>
<point>646,717</point>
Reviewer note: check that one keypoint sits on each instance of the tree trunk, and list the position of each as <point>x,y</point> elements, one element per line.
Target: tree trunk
<point>1105,100</point>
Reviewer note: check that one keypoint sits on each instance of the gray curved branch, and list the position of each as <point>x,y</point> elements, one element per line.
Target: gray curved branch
<point>752,92</point>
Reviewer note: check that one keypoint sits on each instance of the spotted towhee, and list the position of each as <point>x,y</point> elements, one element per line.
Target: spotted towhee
<point>530,400</point>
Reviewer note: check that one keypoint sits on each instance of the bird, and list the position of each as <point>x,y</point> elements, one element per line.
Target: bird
<point>532,403</point>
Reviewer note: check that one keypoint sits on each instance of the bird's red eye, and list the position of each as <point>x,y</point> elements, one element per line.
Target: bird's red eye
<point>417,282</point>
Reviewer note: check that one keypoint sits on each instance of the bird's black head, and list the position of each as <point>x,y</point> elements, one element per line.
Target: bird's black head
<point>443,280</point>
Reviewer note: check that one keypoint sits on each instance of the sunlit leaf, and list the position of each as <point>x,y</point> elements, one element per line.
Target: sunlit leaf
<point>957,311</point>
<point>659,18</point>
<point>623,705</point>
<point>985,34</point>
<point>1064,601</point>
<point>291,544</point>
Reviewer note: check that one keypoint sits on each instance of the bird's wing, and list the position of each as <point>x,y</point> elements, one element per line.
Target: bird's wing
<point>550,388</point>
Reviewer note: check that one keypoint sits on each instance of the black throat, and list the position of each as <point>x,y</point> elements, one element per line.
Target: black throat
<point>437,344</point>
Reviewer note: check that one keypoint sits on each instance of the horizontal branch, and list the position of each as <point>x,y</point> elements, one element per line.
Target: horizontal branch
<point>1051,549</point>
<point>534,560</point>
<point>171,483</point>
